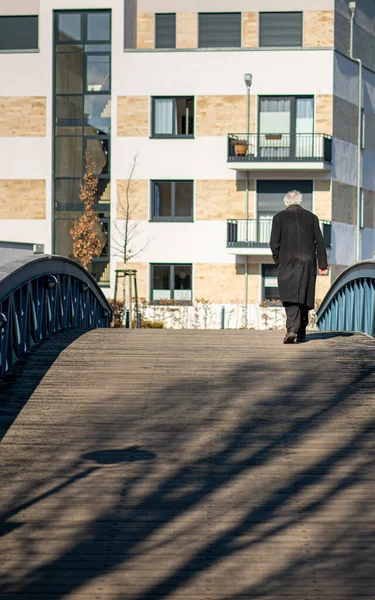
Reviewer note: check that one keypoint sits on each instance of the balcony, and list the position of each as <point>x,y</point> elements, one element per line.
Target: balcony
<point>254,235</point>
<point>276,151</point>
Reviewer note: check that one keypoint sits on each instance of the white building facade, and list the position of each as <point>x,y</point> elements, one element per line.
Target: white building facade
<point>155,91</point>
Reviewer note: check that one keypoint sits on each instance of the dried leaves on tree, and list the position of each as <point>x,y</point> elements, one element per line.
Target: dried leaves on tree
<point>86,242</point>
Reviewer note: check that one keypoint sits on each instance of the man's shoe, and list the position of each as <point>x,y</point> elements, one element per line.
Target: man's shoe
<point>290,338</point>
<point>301,339</point>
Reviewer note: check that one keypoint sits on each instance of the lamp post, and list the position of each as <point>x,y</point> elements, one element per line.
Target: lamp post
<point>248,81</point>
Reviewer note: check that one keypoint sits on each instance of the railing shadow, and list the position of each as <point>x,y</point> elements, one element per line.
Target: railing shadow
<point>34,365</point>
<point>262,439</point>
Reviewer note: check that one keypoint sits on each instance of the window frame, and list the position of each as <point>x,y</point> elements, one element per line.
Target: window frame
<point>276,303</point>
<point>268,12</point>
<point>173,218</point>
<point>172,301</point>
<point>175,31</point>
<point>168,136</point>
<point>231,12</point>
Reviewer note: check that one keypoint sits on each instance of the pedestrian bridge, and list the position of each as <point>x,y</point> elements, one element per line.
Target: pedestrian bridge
<point>190,465</point>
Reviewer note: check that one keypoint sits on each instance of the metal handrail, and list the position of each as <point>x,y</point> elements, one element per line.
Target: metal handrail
<point>279,147</point>
<point>42,295</point>
<point>349,304</point>
<point>255,233</point>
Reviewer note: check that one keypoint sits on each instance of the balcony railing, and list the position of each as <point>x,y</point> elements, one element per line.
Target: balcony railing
<point>256,233</point>
<point>279,147</point>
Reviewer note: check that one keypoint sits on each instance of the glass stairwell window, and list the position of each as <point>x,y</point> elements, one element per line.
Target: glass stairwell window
<point>173,117</point>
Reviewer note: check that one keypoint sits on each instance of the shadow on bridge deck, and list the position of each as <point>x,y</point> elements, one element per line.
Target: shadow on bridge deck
<point>190,465</point>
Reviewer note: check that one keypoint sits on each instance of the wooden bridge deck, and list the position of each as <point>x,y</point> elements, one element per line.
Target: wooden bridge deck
<point>189,466</point>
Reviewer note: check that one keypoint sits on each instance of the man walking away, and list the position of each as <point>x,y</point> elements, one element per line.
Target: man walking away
<point>296,244</point>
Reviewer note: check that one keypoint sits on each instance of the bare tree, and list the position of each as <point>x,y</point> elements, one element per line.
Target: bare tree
<point>125,245</point>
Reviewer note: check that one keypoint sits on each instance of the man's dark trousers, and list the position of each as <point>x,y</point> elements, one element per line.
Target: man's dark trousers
<point>297,318</point>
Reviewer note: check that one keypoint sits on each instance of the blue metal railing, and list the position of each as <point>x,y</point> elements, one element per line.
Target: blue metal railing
<point>42,295</point>
<point>350,303</point>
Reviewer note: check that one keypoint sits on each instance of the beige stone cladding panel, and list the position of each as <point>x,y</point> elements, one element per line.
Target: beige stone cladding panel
<point>22,116</point>
<point>133,116</point>
<point>369,209</point>
<point>345,120</point>
<point>323,283</point>
<point>142,278</point>
<point>222,199</point>
<point>145,31</point>
<point>323,199</point>
<point>343,203</point>
<point>224,283</point>
<point>318,28</point>
<point>220,115</point>
<point>324,114</point>
<point>22,199</point>
<point>186,30</point>
<point>249,30</point>
<point>132,194</point>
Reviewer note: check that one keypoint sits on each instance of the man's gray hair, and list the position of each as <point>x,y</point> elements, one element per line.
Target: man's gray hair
<point>293,197</point>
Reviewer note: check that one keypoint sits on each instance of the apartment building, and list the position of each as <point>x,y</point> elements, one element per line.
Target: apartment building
<point>160,93</point>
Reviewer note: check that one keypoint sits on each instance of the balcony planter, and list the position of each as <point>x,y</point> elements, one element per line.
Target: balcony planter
<point>240,148</point>
<point>273,136</point>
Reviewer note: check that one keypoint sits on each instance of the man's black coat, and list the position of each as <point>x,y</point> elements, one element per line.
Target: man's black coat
<point>296,244</point>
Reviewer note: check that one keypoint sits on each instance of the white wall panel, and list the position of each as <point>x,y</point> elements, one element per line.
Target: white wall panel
<point>202,241</point>
<point>343,244</point>
<point>205,73</point>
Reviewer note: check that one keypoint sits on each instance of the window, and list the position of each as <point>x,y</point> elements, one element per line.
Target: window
<point>363,128</point>
<point>361,209</point>
<point>270,196</point>
<point>171,282</point>
<point>19,33</point>
<point>173,117</point>
<point>165,31</point>
<point>286,127</point>
<point>280,29</point>
<point>172,200</point>
<point>270,287</point>
<point>219,30</point>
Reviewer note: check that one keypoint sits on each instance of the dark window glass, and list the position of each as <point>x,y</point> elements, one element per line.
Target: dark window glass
<point>68,155</point>
<point>67,193</point>
<point>165,31</point>
<point>68,115</point>
<point>69,73</point>
<point>171,282</point>
<point>69,27</point>
<point>19,33</point>
<point>173,116</point>
<point>270,287</point>
<point>172,200</point>
<point>270,195</point>
<point>98,27</point>
<point>97,72</point>
<point>219,30</point>
<point>280,29</point>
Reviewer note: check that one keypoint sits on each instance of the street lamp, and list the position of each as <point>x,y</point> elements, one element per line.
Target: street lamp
<point>248,81</point>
